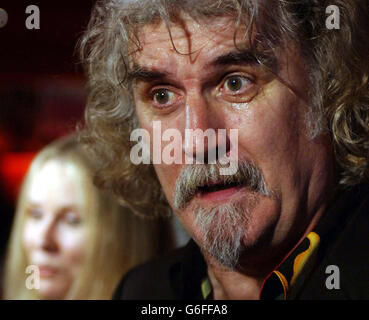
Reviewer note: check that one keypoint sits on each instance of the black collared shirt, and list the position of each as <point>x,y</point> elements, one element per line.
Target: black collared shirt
<point>332,262</point>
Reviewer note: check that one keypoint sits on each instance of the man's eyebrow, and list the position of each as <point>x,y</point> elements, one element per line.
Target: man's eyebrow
<point>238,57</point>
<point>140,73</point>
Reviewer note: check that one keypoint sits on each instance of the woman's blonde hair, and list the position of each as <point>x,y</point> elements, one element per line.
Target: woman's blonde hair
<point>117,240</point>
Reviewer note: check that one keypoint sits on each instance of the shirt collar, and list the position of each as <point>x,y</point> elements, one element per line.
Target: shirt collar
<point>287,279</point>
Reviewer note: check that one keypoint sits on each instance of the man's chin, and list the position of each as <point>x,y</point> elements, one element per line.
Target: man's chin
<point>226,263</point>
<point>222,231</point>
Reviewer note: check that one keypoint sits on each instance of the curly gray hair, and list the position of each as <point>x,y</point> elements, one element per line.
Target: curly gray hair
<point>337,61</point>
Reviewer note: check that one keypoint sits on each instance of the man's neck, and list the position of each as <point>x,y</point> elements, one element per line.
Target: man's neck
<point>233,285</point>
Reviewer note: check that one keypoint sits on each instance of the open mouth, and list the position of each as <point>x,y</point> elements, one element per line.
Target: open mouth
<point>218,191</point>
<point>217,187</point>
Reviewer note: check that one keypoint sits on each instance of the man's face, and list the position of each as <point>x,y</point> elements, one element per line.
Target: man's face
<point>213,87</point>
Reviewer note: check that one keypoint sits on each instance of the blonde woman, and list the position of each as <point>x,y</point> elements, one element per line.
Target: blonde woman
<point>69,239</point>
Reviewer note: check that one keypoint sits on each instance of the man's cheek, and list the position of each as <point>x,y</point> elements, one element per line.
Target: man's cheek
<point>264,139</point>
<point>167,178</point>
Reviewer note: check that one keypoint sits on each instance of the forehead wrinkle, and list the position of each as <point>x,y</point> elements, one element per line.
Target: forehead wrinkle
<point>157,57</point>
<point>181,32</point>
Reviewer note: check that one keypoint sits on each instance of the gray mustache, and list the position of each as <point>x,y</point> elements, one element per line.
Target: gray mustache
<point>196,176</point>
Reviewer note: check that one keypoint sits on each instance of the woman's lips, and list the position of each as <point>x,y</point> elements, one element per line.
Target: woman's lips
<point>219,195</point>
<point>47,271</point>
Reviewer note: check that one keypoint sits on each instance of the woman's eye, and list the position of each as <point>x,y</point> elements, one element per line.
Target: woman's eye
<point>72,218</point>
<point>236,83</point>
<point>163,96</point>
<point>35,213</point>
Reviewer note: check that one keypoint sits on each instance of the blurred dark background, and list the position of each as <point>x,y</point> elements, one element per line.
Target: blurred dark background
<point>42,88</point>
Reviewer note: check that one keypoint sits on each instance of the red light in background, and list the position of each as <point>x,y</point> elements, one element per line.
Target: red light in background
<point>13,168</point>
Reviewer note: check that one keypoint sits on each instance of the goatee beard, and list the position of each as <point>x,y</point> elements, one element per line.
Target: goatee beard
<point>224,229</point>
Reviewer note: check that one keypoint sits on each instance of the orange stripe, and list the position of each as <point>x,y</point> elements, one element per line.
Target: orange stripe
<point>283,281</point>
<point>303,257</point>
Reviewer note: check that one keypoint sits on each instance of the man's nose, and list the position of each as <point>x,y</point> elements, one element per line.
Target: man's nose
<point>47,240</point>
<point>202,135</point>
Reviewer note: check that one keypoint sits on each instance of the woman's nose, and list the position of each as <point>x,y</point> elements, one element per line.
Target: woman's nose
<point>47,239</point>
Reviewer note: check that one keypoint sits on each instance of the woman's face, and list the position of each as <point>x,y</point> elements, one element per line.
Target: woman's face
<point>54,234</point>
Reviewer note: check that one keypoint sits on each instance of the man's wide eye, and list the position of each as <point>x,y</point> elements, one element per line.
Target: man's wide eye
<point>235,83</point>
<point>163,96</point>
